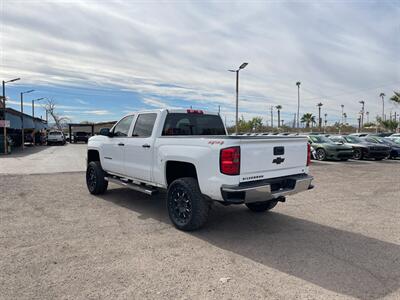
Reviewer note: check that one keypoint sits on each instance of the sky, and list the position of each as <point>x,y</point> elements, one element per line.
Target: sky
<point>99,60</point>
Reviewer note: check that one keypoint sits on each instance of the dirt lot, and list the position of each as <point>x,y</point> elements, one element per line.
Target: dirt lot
<point>340,240</point>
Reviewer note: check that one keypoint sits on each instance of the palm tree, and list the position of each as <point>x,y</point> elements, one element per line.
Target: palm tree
<point>382,95</point>
<point>345,118</point>
<point>342,106</point>
<point>308,118</point>
<point>396,97</point>
<point>279,107</point>
<point>319,115</point>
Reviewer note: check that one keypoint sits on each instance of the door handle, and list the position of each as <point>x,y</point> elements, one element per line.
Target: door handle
<point>121,144</point>
<point>146,146</point>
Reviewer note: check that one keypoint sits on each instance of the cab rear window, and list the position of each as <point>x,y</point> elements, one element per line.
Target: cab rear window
<point>193,124</point>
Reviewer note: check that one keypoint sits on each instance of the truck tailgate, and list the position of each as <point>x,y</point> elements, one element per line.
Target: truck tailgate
<point>270,158</point>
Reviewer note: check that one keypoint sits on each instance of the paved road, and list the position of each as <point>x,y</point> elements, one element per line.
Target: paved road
<point>45,160</point>
<point>340,240</point>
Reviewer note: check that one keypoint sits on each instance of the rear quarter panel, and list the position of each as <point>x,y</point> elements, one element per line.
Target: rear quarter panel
<point>203,153</point>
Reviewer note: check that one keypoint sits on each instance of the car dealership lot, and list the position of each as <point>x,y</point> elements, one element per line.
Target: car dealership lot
<point>340,240</point>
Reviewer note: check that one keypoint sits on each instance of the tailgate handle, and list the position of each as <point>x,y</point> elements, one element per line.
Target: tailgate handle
<point>280,150</point>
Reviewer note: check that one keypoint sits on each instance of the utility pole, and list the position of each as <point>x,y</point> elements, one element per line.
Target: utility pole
<point>298,104</point>
<point>294,120</point>
<point>242,66</point>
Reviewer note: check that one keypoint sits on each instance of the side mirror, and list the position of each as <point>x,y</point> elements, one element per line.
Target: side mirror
<point>105,131</point>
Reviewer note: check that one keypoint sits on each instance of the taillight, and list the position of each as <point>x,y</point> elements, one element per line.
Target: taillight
<point>308,154</point>
<point>194,111</point>
<point>230,161</point>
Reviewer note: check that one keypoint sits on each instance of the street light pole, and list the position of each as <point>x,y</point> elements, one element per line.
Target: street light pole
<point>22,117</point>
<point>242,66</point>
<point>4,112</point>
<point>33,117</point>
<point>298,104</point>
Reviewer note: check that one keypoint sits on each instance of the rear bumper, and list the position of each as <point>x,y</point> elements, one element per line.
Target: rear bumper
<point>266,189</point>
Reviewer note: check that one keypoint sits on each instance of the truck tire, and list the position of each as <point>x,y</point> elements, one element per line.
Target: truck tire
<point>95,178</point>
<point>187,208</point>
<point>262,206</point>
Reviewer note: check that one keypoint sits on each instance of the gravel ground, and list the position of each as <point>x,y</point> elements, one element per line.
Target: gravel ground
<point>45,160</point>
<point>340,240</point>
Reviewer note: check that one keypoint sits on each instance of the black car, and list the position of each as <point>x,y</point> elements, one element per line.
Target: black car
<point>81,136</point>
<point>394,148</point>
<point>362,148</point>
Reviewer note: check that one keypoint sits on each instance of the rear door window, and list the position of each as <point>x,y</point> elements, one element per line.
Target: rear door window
<point>144,125</point>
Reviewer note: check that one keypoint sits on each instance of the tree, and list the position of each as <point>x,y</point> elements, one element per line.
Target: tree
<point>255,123</point>
<point>390,125</point>
<point>308,118</point>
<point>279,107</point>
<point>382,95</point>
<point>345,118</point>
<point>396,97</point>
<point>319,115</point>
<point>51,109</point>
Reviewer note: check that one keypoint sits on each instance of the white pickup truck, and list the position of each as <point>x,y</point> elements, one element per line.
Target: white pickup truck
<point>189,154</point>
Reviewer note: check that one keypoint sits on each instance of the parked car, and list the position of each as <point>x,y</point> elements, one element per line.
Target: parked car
<point>394,148</point>
<point>55,137</point>
<point>189,154</point>
<point>361,148</point>
<point>395,135</point>
<point>360,134</point>
<point>81,136</point>
<point>327,149</point>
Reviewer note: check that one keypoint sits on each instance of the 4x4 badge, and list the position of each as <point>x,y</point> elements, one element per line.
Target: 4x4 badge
<point>278,160</point>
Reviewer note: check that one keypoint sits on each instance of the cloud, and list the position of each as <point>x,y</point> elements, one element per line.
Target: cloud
<point>82,101</point>
<point>181,52</point>
<point>97,112</point>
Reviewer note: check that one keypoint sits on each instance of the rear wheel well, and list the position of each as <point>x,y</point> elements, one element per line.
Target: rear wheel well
<point>93,155</point>
<point>179,169</point>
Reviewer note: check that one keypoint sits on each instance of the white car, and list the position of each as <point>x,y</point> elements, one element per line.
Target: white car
<point>55,137</point>
<point>189,154</point>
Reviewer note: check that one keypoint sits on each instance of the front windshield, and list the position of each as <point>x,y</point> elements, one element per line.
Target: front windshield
<point>396,140</point>
<point>319,139</point>
<point>352,139</point>
<point>376,139</point>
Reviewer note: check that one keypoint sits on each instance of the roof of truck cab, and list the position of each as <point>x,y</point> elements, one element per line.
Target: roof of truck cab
<point>172,110</point>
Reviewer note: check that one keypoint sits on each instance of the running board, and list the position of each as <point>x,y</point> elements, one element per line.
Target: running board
<point>136,187</point>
